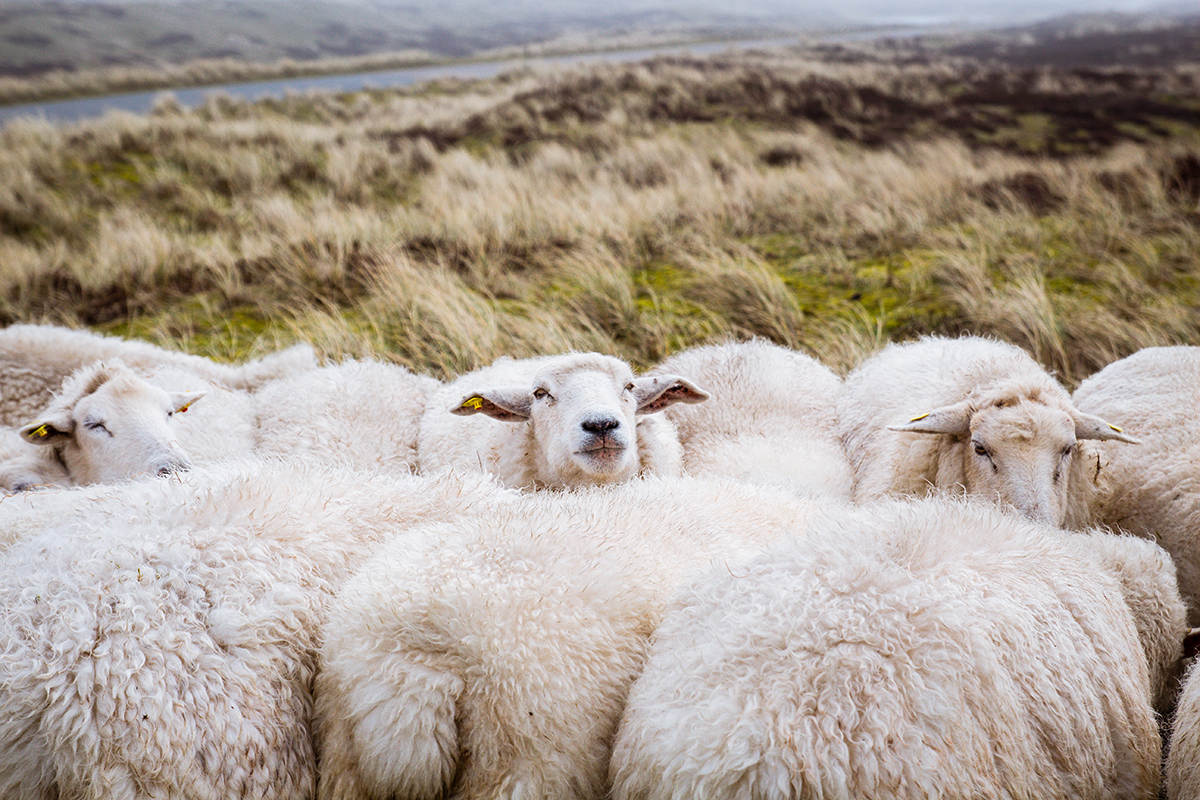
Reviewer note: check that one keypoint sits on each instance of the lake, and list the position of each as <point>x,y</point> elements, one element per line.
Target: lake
<point>142,102</point>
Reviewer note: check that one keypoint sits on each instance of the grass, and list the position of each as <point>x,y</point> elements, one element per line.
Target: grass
<point>635,209</point>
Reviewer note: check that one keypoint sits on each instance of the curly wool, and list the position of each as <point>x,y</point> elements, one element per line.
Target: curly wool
<point>1153,489</point>
<point>771,417</point>
<point>363,413</point>
<point>912,649</point>
<point>491,658</point>
<point>160,636</point>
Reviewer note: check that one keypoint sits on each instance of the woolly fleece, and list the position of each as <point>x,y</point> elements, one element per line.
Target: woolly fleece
<point>911,649</point>
<point>771,417</point>
<point>364,413</point>
<point>159,637</point>
<point>491,658</point>
<point>1153,489</point>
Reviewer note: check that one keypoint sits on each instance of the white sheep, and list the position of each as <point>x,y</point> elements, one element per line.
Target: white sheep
<point>1153,489</point>
<point>975,416</point>
<point>917,649</point>
<point>491,658</point>
<point>771,417</point>
<point>108,424</point>
<point>555,422</point>
<point>159,637</point>
<point>1183,758</point>
<point>36,359</point>
<point>365,413</point>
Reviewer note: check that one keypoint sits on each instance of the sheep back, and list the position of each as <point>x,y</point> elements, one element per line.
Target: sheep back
<point>1153,489</point>
<point>919,649</point>
<point>497,654</point>
<point>771,417</point>
<point>160,636</point>
<point>365,413</point>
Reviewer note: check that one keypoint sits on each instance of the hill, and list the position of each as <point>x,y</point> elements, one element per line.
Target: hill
<point>829,199</point>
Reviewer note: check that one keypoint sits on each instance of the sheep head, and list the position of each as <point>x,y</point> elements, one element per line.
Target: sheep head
<point>1022,449</point>
<point>583,411</point>
<point>108,424</point>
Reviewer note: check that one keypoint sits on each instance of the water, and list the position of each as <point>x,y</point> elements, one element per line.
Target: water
<point>143,102</point>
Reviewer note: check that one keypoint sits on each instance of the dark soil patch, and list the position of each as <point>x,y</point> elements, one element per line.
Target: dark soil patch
<point>1182,178</point>
<point>1028,188</point>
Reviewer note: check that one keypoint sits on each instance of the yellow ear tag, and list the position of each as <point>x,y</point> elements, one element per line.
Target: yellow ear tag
<point>1115,428</point>
<point>473,402</point>
<point>41,430</point>
<point>183,408</point>
<point>919,417</point>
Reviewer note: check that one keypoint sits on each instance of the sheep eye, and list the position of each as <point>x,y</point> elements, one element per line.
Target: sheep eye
<point>96,425</point>
<point>1068,450</point>
<point>539,393</point>
<point>980,450</point>
<point>629,387</point>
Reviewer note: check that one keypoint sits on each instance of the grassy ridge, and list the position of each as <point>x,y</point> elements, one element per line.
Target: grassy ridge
<point>633,209</point>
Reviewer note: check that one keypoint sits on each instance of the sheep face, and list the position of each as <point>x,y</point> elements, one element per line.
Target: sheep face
<point>1018,451</point>
<point>583,414</point>
<point>110,425</point>
<point>1022,455</point>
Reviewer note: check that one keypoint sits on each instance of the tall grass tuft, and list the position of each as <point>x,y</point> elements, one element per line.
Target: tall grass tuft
<point>635,209</point>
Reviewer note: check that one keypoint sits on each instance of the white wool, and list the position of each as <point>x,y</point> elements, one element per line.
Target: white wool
<point>771,417</point>
<point>364,413</point>
<point>35,359</point>
<point>556,421</point>
<point>1183,759</point>
<point>1153,489</point>
<point>491,658</point>
<point>917,649</point>
<point>975,416</point>
<point>159,637</point>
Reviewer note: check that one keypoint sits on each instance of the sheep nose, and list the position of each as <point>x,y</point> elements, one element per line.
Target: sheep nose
<point>599,426</point>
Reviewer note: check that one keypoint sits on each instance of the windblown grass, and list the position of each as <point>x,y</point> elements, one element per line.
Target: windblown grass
<point>634,209</point>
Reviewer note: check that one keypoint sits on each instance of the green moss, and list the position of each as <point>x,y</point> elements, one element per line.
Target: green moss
<point>200,324</point>
<point>898,290</point>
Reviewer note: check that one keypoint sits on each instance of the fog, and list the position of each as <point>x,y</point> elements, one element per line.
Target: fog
<point>917,12</point>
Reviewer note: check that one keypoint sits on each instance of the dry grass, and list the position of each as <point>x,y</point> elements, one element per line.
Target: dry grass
<point>634,209</point>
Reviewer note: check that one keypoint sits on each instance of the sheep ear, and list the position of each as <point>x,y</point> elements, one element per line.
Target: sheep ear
<point>181,401</point>
<point>952,420</point>
<point>654,393</point>
<point>48,430</point>
<point>506,405</point>
<point>1089,427</point>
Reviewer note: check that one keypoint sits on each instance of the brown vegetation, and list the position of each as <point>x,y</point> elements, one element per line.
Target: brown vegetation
<point>633,209</point>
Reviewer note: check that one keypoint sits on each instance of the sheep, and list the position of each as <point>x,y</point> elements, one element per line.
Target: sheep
<point>35,359</point>
<point>928,648</point>
<point>555,422</point>
<point>491,657</point>
<point>771,417</point>
<point>1153,489</point>
<point>1183,757</point>
<point>363,412</point>
<point>1001,427</point>
<point>108,424</point>
<point>159,637</point>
